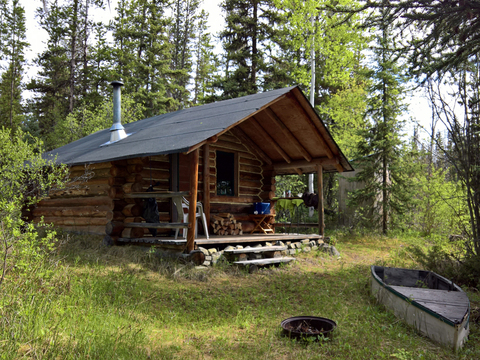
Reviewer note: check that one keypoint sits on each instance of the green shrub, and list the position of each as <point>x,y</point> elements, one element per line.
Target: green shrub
<point>449,260</point>
<point>24,178</point>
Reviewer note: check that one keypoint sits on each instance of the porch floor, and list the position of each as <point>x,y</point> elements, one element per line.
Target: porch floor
<point>222,240</point>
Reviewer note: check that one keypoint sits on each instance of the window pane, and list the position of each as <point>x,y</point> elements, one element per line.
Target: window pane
<point>225,173</point>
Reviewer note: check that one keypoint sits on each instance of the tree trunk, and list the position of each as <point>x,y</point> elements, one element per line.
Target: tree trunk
<point>254,46</point>
<point>73,50</point>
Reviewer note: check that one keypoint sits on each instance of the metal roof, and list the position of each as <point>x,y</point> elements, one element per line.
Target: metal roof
<point>182,130</point>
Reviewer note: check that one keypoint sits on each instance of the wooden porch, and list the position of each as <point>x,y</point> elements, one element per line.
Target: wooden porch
<point>218,241</point>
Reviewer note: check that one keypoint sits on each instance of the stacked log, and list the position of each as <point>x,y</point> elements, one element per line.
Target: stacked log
<point>84,205</point>
<point>125,179</point>
<point>136,175</point>
<point>156,171</point>
<point>225,224</point>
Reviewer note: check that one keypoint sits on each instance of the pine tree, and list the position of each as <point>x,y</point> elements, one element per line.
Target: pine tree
<point>382,165</point>
<point>97,70</point>
<point>252,27</point>
<point>14,45</point>
<point>51,99</point>
<point>93,59</point>
<point>182,37</point>
<point>66,78</point>
<point>3,27</point>
<point>142,53</point>
<point>205,65</point>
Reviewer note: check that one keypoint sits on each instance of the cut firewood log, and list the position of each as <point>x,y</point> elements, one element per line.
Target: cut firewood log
<point>129,188</point>
<point>133,233</point>
<point>225,224</point>
<point>134,178</point>
<point>132,210</point>
<point>115,216</point>
<point>114,228</point>
<point>119,171</point>
<point>134,168</point>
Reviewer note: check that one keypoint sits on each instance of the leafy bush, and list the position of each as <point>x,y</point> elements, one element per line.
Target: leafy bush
<point>26,265</point>
<point>24,178</point>
<point>450,260</point>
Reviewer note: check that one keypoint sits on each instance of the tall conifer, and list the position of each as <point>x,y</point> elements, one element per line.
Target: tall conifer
<point>251,29</point>
<point>14,45</point>
<point>206,63</point>
<point>51,91</point>
<point>142,53</point>
<point>182,37</point>
<point>382,167</point>
<point>66,78</point>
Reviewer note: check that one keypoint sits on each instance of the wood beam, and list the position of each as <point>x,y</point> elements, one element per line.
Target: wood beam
<point>257,110</point>
<point>254,147</point>
<point>315,117</point>
<point>339,166</point>
<point>271,114</point>
<point>298,164</point>
<point>206,182</point>
<point>192,209</point>
<point>174,175</point>
<point>321,225</point>
<point>258,128</point>
<point>312,126</point>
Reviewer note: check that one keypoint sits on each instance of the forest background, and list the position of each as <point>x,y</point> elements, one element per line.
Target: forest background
<point>366,58</point>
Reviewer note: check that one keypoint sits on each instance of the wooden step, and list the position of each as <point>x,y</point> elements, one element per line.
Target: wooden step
<point>256,250</point>
<point>157,225</point>
<point>260,262</point>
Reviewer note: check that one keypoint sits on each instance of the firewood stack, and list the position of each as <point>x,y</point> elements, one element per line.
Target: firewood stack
<point>225,224</point>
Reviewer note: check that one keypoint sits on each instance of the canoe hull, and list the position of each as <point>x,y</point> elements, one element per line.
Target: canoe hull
<point>428,323</point>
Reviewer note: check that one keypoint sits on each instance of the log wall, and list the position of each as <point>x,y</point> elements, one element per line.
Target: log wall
<point>85,204</point>
<point>98,205</point>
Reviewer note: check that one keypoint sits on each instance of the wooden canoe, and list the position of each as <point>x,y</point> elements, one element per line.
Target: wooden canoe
<point>435,306</point>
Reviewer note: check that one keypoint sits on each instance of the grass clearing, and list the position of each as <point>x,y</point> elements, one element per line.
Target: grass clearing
<point>126,303</point>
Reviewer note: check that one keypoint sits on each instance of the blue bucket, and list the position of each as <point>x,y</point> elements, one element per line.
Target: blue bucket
<point>262,208</point>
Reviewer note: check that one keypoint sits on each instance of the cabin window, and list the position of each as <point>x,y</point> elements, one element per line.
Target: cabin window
<point>226,173</point>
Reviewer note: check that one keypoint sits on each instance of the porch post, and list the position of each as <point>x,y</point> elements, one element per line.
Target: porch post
<point>176,217</point>
<point>206,182</point>
<point>321,225</point>
<point>192,210</point>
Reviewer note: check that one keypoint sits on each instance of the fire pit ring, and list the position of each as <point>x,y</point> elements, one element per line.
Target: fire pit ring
<point>303,327</point>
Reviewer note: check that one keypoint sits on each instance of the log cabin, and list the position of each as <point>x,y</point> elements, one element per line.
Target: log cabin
<point>224,154</point>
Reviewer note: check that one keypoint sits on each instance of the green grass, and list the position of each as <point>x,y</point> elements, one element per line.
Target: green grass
<point>125,303</point>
